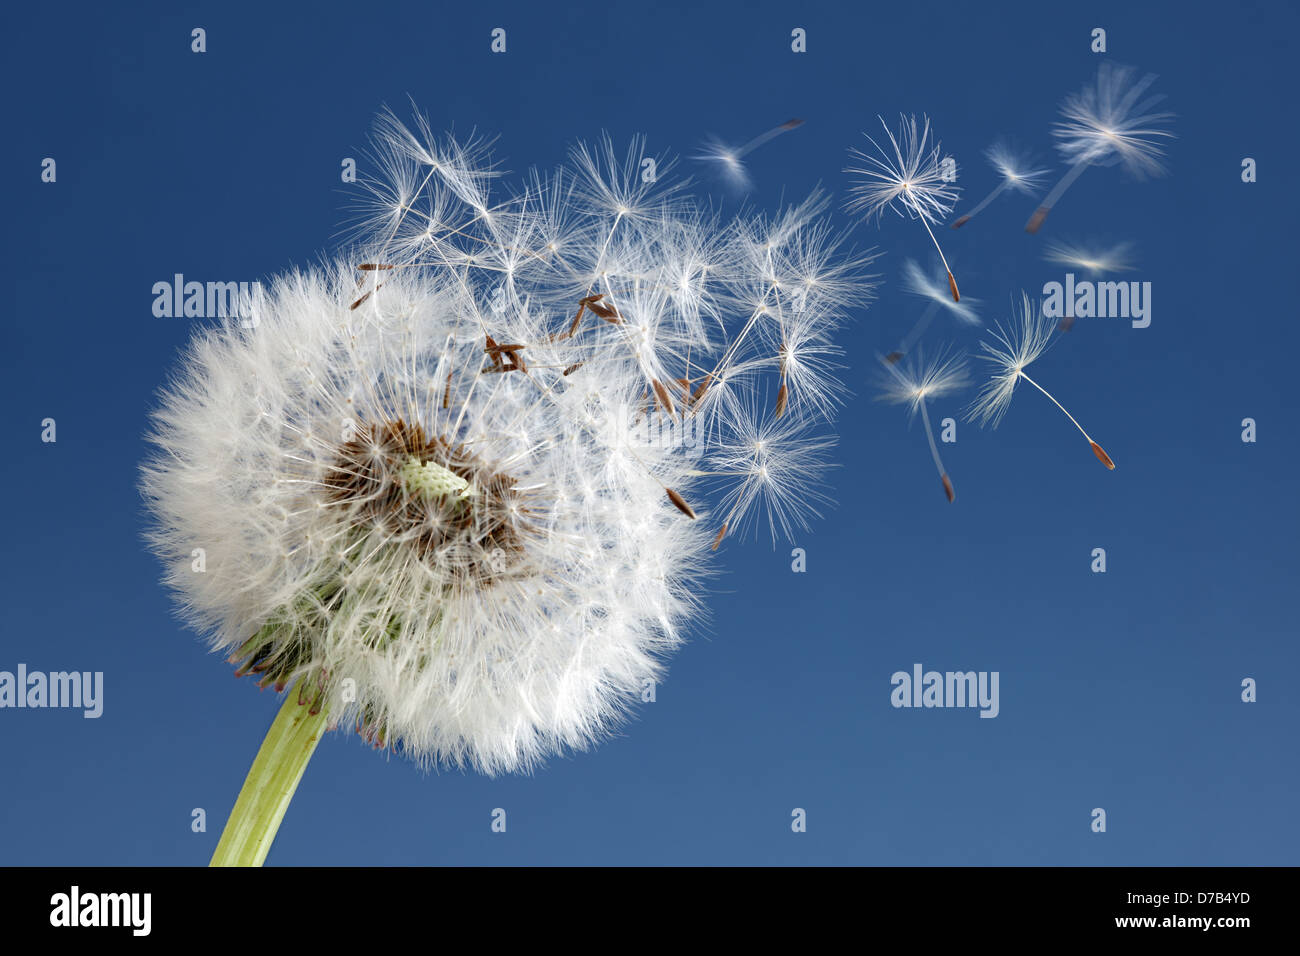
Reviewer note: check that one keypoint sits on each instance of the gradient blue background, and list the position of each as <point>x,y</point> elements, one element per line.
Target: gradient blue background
<point>1119,690</point>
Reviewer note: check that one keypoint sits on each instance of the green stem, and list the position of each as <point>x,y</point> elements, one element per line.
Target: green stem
<point>270,784</point>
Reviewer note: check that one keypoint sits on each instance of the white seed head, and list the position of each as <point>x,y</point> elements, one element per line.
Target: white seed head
<point>468,482</point>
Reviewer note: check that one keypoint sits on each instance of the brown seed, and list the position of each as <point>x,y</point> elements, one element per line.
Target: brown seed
<point>952,287</point>
<point>512,361</point>
<point>662,394</point>
<point>721,534</point>
<point>371,267</point>
<point>947,488</point>
<point>782,395</point>
<point>961,222</point>
<point>606,312</point>
<point>699,389</point>
<point>576,319</point>
<point>1036,220</point>
<point>364,297</point>
<point>791,124</point>
<point>1102,456</point>
<point>446,394</point>
<point>1067,323</point>
<point>893,358</point>
<point>680,503</point>
<point>572,368</point>
<point>516,361</point>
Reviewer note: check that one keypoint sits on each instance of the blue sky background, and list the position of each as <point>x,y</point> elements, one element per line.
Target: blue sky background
<point>1119,690</point>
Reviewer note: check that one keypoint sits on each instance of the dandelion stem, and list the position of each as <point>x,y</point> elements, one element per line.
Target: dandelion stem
<point>997,191</point>
<point>1036,220</point>
<point>929,434</point>
<point>1096,449</point>
<point>762,138</point>
<point>734,347</point>
<point>921,325</point>
<point>270,784</point>
<point>600,259</point>
<point>952,283</point>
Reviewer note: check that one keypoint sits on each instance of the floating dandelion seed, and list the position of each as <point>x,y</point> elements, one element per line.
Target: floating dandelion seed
<point>775,467</point>
<point>917,282</point>
<point>438,507</point>
<point>727,160</point>
<point>910,182</point>
<point>1018,175</point>
<point>1107,123</point>
<point>914,384</point>
<point>930,286</point>
<point>1016,347</point>
<point>1093,261</point>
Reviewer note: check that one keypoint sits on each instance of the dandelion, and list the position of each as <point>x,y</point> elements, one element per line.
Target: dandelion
<point>1107,123</point>
<point>775,467</point>
<point>1091,260</point>
<point>914,384</point>
<point>1018,175</point>
<point>454,488</point>
<point>911,182</point>
<point>800,285</point>
<point>727,160</point>
<point>930,287</point>
<point>1015,348</point>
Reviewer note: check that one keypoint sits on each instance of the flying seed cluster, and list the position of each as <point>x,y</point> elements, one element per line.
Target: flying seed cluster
<point>1111,121</point>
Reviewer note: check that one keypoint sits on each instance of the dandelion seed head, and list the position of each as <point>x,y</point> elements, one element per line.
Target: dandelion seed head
<point>479,483</point>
